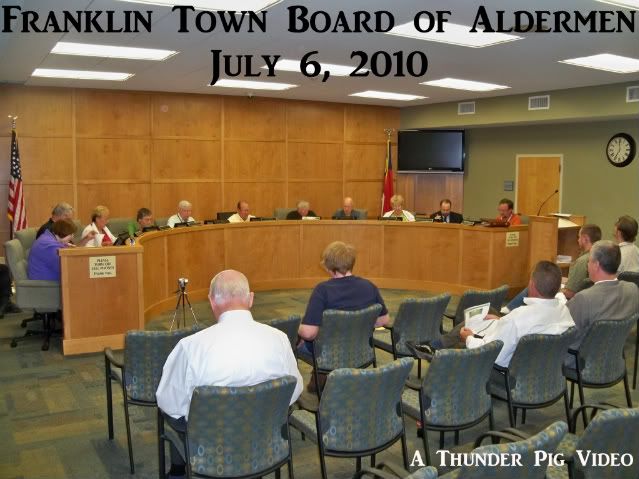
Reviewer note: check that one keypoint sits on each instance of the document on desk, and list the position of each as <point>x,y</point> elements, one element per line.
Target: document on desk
<point>474,317</point>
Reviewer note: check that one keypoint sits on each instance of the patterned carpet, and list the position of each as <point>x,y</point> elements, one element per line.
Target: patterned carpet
<point>53,408</point>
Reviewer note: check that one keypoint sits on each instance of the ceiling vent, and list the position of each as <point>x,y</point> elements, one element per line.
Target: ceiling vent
<point>541,102</point>
<point>632,93</point>
<point>466,108</point>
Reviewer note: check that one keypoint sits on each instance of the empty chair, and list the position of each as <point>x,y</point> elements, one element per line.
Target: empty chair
<point>235,432</point>
<point>534,378</point>
<point>417,321</point>
<point>288,326</point>
<point>224,215</point>
<point>453,394</point>
<point>359,413</point>
<point>139,374</point>
<point>633,277</point>
<point>280,213</point>
<point>471,298</point>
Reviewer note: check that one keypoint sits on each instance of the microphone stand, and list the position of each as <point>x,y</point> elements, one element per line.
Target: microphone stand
<point>546,201</point>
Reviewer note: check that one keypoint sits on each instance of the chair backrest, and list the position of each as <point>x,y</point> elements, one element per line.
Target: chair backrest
<point>455,387</point>
<point>345,338</point>
<point>224,215</point>
<point>418,320</point>
<point>363,214</point>
<point>161,221</point>
<point>288,326</point>
<point>16,257</point>
<point>601,351</point>
<point>239,431</point>
<point>471,298</point>
<point>546,440</point>
<point>615,431</point>
<point>26,237</point>
<point>118,226</point>
<point>536,367</point>
<point>630,276</point>
<point>145,353</point>
<point>280,213</point>
<point>361,409</point>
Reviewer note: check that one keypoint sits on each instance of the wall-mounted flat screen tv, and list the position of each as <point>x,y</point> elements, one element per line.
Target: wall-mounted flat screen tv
<point>430,150</point>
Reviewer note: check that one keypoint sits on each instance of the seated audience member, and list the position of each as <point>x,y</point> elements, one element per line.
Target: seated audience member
<point>347,211</point>
<point>6,305</point>
<point>578,272</point>
<point>505,210</point>
<point>608,298</point>
<point>302,211</point>
<point>242,214</point>
<point>61,211</point>
<point>98,229</point>
<point>44,262</point>
<point>445,215</point>
<point>183,214</point>
<point>397,202</point>
<point>625,235</point>
<point>237,351</point>
<point>543,314</point>
<point>143,219</point>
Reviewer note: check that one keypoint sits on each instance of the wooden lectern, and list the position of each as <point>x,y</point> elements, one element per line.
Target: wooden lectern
<point>548,238</point>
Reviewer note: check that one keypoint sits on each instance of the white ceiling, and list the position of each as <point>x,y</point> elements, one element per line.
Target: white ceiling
<point>528,65</point>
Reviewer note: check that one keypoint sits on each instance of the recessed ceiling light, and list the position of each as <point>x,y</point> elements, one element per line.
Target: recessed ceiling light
<point>236,5</point>
<point>385,95</point>
<point>294,66</point>
<point>469,85</point>
<point>454,34</point>
<point>607,62</point>
<point>253,85</point>
<point>623,3</point>
<point>110,51</point>
<point>80,74</point>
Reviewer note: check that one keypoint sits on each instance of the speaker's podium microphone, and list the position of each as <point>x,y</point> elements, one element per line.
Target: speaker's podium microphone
<point>546,201</point>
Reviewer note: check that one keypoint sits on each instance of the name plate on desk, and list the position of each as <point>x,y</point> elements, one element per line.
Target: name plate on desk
<point>102,267</point>
<point>512,239</point>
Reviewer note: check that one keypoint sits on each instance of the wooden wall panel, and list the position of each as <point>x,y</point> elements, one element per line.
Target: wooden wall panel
<point>122,199</point>
<point>104,159</point>
<point>315,161</point>
<point>313,121</point>
<point>186,159</point>
<point>40,200</point>
<point>102,113</point>
<point>42,112</point>
<point>367,162</point>
<point>187,115</point>
<point>325,197</point>
<point>44,159</point>
<point>252,160</point>
<point>423,192</point>
<point>254,119</point>
<point>262,197</point>
<point>367,123</point>
<point>366,195</point>
<point>205,197</point>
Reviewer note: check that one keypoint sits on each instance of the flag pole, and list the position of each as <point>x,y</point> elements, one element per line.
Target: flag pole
<point>13,119</point>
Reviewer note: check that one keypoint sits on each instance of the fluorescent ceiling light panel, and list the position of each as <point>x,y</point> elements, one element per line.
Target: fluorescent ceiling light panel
<point>454,34</point>
<point>80,74</point>
<point>607,62</point>
<point>385,95</point>
<point>294,66</point>
<point>253,85</point>
<point>457,84</point>
<point>110,51</point>
<point>634,4</point>
<point>237,5</point>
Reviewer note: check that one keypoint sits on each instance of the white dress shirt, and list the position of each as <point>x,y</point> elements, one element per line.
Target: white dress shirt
<point>237,351</point>
<point>539,316</point>
<point>629,257</point>
<point>406,215</point>
<point>97,239</point>
<point>236,218</point>
<point>176,218</point>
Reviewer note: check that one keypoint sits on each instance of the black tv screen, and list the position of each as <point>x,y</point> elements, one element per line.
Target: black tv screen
<point>430,150</point>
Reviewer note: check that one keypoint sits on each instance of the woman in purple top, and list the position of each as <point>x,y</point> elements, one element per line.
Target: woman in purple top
<point>44,262</point>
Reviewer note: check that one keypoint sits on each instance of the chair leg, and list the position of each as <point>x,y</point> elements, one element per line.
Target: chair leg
<point>457,437</point>
<point>109,395</point>
<point>582,401</point>
<point>523,416</point>
<point>491,420</point>
<point>627,388</point>
<point>358,464</point>
<point>566,406</point>
<point>46,322</point>
<point>511,414</point>
<point>425,441</point>
<point>404,451</point>
<point>515,416</point>
<point>290,469</point>
<point>373,460</point>
<point>322,463</point>
<point>419,368</point>
<point>441,439</point>
<point>572,393</point>
<point>277,474</point>
<point>128,429</point>
<point>161,451</point>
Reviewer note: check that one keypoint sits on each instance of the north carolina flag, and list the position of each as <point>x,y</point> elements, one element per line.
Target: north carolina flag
<point>16,210</point>
<point>388,180</point>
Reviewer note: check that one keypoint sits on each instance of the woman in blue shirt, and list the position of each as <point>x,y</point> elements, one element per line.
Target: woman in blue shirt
<point>44,262</point>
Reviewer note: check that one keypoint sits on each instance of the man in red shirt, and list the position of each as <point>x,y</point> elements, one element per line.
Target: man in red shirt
<point>505,210</point>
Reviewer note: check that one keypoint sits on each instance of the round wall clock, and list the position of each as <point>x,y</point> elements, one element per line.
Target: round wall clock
<point>621,149</point>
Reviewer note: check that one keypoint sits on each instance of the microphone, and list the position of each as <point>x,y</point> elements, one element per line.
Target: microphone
<point>546,201</point>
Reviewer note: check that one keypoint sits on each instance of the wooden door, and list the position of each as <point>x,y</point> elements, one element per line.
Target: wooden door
<point>538,177</point>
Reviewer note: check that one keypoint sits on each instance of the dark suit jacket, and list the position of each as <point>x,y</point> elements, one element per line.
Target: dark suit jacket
<point>294,215</point>
<point>341,214</point>
<point>454,217</point>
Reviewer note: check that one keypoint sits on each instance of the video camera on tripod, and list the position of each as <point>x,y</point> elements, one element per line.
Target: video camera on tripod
<point>182,299</point>
<point>182,282</point>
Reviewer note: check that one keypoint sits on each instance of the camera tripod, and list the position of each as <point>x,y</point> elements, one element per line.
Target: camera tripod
<point>183,298</point>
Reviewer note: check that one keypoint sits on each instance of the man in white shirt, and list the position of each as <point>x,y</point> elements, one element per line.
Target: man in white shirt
<point>237,351</point>
<point>625,233</point>
<point>242,215</point>
<point>543,314</point>
<point>183,215</point>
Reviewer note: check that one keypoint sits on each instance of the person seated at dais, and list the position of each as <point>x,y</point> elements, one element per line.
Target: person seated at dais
<point>348,211</point>
<point>445,215</point>
<point>61,211</point>
<point>303,210</point>
<point>242,215</point>
<point>397,202</point>
<point>98,228</point>
<point>143,219</point>
<point>183,214</point>
<point>506,214</point>
<point>44,262</point>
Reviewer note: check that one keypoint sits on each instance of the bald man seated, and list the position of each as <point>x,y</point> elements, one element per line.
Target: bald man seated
<point>347,211</point>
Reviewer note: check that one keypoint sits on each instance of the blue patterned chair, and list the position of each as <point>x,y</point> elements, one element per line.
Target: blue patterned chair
<point>235,432</point>
<point>344,340</point>
<point>139,374</point>
<point>633,277</point>
<point>417,321</point>
<point>599,361</point>
<point>388,470</point>
<point>288,326</point>
<point>534,378</point>
<point>471,298</point>
<point>612,430</point>
<point>454,393</point>
<point>359,413</point>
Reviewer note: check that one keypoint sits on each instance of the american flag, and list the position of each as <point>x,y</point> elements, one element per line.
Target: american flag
<point>16,211</point>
